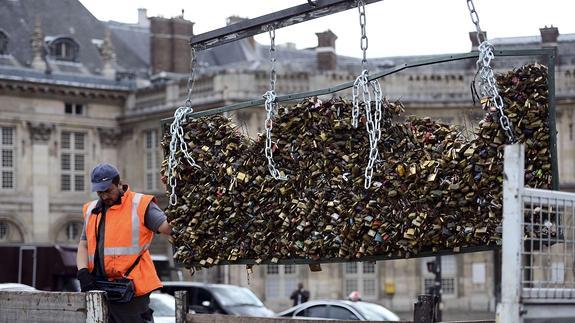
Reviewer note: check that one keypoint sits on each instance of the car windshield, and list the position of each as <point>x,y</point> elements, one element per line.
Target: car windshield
<point>235,296</point>
<point>374,312</point>
<point>163,306</point>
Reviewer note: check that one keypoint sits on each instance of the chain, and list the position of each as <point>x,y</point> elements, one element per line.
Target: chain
<point>474,19</point>
<point>362,22</point>
<point>270,106</point>
<point>177,134</point>
<point>372,120</point>
<point>487,83</point>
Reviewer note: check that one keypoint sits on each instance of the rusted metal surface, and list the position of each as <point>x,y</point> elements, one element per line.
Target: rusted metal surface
<point>275,20</point>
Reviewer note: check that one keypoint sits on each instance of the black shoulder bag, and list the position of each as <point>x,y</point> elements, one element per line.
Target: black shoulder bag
<point>117,290</point>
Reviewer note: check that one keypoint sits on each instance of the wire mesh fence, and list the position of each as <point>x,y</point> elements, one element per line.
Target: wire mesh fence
<point>548,251</point>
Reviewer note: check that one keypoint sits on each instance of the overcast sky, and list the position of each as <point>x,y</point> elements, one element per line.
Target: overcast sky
<point>394,27</point>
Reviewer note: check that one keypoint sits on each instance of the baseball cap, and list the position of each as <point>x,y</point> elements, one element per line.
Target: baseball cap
<point>102,176</point>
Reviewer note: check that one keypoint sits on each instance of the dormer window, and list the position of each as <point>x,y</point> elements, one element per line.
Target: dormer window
<point>64,49</point>
<point>3,43</point>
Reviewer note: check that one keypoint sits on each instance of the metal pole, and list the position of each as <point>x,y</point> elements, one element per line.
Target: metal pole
<point>181,306</point>
<point>438,290</point>
<point>423,309</point>
<point>513,183</point>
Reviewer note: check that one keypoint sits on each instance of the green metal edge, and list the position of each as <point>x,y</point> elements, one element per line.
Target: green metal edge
<point>551,60</point>
<point>306,261</point>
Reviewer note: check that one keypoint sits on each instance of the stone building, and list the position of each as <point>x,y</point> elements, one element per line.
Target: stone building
<point>75,91</point>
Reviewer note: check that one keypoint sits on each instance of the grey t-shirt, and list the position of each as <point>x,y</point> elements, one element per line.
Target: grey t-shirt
<point>153,218</point>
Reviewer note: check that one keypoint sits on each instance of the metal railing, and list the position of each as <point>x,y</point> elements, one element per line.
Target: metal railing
<point>538,248</point>
<point>548,250</point>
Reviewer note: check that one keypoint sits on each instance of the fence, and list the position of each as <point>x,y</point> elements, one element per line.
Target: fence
<point>538,248</point>
<point>37,307</point>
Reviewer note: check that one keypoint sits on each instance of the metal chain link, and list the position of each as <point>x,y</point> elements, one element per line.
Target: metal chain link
<point>270,106</point>
<point>177,134</point>
<point>363,41</point>
<point>373,120</point>
<point>487,83</point>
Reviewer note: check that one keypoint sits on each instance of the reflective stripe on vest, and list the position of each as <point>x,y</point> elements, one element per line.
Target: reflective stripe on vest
<point>135,249</point>
<point>89,210</point>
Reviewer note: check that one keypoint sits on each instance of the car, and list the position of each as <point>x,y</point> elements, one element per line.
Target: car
<point>16,287</point>
<point>164,307</point>
<point>340,310</point>
<point>219,299</point>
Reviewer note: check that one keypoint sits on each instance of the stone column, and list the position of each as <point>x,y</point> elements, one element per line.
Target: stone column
<point>109,141</point>
<point>40,135</point>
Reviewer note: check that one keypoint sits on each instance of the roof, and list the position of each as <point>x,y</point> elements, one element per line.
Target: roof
<point>132,47</point>
<point>17,20</point>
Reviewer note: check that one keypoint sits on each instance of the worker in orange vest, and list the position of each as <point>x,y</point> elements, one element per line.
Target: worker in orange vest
<point>118,230</point>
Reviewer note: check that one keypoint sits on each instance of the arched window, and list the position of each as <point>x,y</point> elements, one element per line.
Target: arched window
<point>73,231</point>
<point>64,49</point>
<point>4,230</point>
<point>3,43</point>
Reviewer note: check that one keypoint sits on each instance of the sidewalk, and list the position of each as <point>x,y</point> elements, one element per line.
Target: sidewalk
<point>455,315</point>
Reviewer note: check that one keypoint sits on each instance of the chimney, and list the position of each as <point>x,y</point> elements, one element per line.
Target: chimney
<point>170,44</point>
<point>37,43</point>
<point>234,19</point>
<point>474,41</point>
<point>143,17</point>
<point>325,51</point>
<point>108,55</point>
<point>549,36</point>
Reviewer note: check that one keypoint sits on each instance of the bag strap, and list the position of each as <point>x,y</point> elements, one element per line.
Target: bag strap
<point>133,265</point>
<point>96,261</point>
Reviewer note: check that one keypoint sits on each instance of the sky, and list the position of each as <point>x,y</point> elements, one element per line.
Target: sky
<point>393,27</point>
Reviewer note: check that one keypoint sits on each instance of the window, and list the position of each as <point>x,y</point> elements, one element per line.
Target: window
<point>272,269</point>
<point>448,275</point>
<point>362,277</point>
<point>73,231</point>
<point>314,311</point>
<point>478,272</point>
<point>4,231</point>
<point>152,166</point>
<point>3,43</point>
<point>340,313</point>
<point>77,109</point>
<point>72,161</point>
<point>64,49</point>
<point>281,281</point>
<point>447,285</point>
<point>7,162</point>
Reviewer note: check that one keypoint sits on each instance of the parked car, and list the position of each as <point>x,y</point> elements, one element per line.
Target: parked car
<point>340,310</point>
<point>219,299</point>
<point>16,287</point>
<point>164,306</point>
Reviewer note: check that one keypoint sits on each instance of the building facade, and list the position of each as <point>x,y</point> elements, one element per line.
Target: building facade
<point>78,93</point>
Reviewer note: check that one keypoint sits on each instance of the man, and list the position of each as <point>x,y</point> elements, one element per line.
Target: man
<point>118,229</point>
<point>299,295</point>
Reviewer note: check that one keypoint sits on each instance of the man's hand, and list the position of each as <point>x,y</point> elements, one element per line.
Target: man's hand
<point>87,281</point>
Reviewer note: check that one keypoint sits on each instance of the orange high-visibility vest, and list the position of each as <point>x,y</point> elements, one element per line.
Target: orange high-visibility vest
<point>125,238</point>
